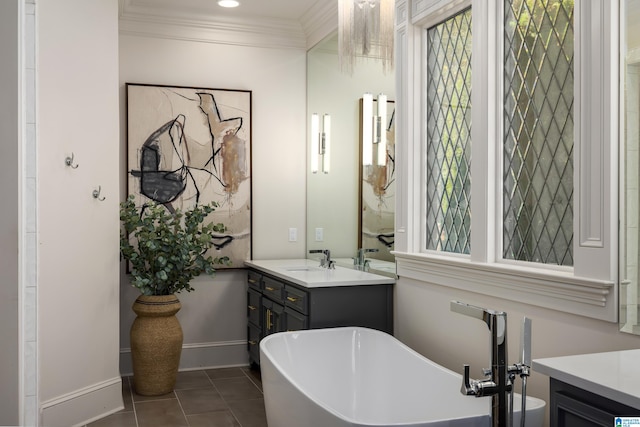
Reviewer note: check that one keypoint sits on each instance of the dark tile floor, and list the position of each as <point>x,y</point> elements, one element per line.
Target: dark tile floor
<point>227,397</point>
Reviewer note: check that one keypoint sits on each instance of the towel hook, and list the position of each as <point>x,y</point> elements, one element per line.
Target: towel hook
<point>69,161</point>
<point>96,194</point>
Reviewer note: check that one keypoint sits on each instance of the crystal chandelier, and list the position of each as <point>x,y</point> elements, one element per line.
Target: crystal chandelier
<point>365,29</point>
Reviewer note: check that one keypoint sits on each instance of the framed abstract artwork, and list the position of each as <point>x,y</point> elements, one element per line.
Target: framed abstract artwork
<point>377,187</point>
<point>188,146</point>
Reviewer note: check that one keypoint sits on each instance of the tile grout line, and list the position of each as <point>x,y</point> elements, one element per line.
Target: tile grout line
<point>133,403</point>
<point>252,381</point>
<point>223,399</point>
<point>181,408</point>
<point>227,403</point>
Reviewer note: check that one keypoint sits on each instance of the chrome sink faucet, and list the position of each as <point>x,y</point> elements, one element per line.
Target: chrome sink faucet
<point>497,383</point>
<point>325,261</point>
<point>360,261</point>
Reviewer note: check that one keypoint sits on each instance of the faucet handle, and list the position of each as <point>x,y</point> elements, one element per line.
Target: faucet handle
<point>468,387</point>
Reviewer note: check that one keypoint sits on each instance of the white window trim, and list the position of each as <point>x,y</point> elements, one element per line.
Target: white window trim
<point>590,287</point>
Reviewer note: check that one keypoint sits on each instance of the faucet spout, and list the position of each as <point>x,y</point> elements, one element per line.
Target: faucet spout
<point>360,260</point>
<point>326,260</point>
<point>498,383</point>
<point>329,263</point>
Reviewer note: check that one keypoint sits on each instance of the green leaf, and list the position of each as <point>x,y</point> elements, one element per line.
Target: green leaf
<point>166,250</point>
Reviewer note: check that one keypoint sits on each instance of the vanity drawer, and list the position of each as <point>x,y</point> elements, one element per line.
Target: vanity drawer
<point>254,301</point>
<point>273,289</point>
<point>297,299</point>
<point>254,280</point>
<point>296,321</point>
<point>254,335</point>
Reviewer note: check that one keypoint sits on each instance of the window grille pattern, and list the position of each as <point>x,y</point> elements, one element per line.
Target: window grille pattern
<point>449,135</point>
<point>538,131</point>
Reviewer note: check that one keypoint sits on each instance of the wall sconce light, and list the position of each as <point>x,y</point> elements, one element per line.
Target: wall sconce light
<point>320,142</point>
<point>374,130</point>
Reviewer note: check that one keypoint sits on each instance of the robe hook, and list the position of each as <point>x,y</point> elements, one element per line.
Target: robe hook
<point>96,194</point>
<point>69,162</point>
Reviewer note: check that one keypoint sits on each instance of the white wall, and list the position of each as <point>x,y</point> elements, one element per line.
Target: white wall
<point>213,317</point>
<point>9,175</point>
<point>78,258</point>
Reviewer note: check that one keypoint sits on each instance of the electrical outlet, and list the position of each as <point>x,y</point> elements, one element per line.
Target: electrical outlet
<point>319,234</point>
<point>293,234</point>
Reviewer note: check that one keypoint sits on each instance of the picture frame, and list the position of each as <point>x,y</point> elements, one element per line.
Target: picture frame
<point>188,146</point>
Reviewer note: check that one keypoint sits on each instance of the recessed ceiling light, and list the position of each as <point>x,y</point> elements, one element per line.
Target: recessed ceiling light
<point>228,3</point>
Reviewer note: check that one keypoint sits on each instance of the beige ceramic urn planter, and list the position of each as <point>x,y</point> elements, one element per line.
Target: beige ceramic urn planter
<point>156,344</point>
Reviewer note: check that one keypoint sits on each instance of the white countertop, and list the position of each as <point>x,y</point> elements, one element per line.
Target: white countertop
<point>614,375</point>
<point>307,273</point>
<point>376,266</point>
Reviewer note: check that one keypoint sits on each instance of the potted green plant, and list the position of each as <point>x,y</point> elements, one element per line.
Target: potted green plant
<point>165,251</point>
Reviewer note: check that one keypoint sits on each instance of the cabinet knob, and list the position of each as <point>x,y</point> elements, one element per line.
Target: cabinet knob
<point>252,342</point>
<point>253,281</point>
<point>251,307</point>
<point>292,299</point>
<point>269,288</point>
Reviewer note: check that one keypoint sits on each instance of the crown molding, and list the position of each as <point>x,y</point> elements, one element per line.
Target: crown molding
<point>209,32</point>
<point>320,21</point>
<point>143,19</point>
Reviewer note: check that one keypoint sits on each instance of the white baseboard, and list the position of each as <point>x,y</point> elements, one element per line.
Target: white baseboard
<point>84,405</point>
<point>200,356</point>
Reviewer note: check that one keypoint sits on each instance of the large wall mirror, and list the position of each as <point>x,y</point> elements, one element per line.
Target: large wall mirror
<point>334,199</point>
<point>629,166</point>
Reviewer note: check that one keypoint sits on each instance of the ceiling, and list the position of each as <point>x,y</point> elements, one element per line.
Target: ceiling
<point>252,9</point>
<point>283,22</point>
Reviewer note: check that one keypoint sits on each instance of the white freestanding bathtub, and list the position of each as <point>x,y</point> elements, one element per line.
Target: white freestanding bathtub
<point>355,377</point>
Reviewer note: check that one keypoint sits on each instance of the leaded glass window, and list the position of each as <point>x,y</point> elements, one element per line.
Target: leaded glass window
<point>449,134</point>
<point>538,131</point>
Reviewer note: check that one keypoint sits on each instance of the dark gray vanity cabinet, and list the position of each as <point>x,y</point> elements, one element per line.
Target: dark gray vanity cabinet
<point>255,314</point>
<point>277,305</point>
<point>574,407</point>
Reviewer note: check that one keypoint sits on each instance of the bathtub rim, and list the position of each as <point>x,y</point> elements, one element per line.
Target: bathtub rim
<point>264,343</point>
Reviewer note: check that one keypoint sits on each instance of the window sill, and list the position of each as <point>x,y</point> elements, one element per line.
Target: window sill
<point>554,290</point>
